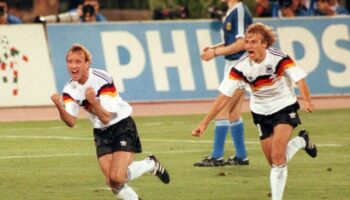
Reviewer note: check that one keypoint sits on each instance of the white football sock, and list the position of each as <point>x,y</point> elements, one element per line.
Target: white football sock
<point>127,193</point>
<point>137,168</point>
<point>293,147</point>
<point>278,179</point>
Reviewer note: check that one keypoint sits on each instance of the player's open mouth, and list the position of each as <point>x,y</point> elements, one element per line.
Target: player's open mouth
<point>75,73</point>
<point>251,53</point>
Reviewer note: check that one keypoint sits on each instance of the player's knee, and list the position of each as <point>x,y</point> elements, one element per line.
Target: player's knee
<point>278,159</point>
<point>233,117</point>
<point>117,179</point>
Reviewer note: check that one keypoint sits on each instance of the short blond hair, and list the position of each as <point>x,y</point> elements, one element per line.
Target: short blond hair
<point>267,33</point>
<point>78,47</point>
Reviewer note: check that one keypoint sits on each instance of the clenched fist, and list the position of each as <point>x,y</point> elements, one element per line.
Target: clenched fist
<point>56,99</point>
<point>90,95</point>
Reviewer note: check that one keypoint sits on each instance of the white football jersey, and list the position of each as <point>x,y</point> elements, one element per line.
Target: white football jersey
<point>271,81</point>
<point>102,83</point>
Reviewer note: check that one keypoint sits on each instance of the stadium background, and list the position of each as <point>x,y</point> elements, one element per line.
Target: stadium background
<point>156,65</point>
<point>33,151</point>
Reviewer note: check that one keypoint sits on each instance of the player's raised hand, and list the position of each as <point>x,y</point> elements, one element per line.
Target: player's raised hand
<point>90,95</point>
<point>56,98</point>
<point>206,49</point>
<point>208,54</point>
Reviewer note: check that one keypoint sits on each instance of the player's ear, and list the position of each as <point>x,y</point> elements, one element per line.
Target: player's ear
<point>264,42</point>
<point>88,63</point>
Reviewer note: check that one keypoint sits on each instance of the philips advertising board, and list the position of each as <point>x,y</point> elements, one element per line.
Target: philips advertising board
<point>160,61</point>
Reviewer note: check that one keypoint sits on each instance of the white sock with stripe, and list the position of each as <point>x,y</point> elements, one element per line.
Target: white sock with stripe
<point>294,146</point>
<point>138,168</point>
<point>278,180</point>
<point>127,193</point>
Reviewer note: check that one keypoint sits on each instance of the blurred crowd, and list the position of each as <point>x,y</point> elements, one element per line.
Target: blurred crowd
<point>89,10</point>
<point>79,11</point>
<point>297,8</point>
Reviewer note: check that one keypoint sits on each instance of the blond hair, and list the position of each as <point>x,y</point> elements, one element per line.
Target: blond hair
<point>78,47</point>
<point>267,33</point>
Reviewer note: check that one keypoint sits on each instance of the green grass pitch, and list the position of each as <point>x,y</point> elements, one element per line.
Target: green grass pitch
<point>46,160</point>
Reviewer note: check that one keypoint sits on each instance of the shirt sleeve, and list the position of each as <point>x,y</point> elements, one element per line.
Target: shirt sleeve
<point>70,105</point>
<point>240,22</point>
<point>228,86</point>
<point>295,73</point>
<point>108,96</point>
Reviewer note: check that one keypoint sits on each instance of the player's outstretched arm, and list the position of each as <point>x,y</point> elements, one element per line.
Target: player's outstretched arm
<point>100,112</point>
<point>68,119</point>
<point>219,103</point>
<point>305,93</point>
<point>232,48</point>
<point>210,52</point>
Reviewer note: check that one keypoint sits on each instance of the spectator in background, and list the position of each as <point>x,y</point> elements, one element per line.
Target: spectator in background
<point>263,8</point>
<point>294,8</point>
<point>6,18</point>
<point>181,12</point>
<point>88,10</point>
<point>330,8</point>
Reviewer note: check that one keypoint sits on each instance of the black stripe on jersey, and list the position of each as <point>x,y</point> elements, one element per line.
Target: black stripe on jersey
<point>276,52</point>
<point>108,86</point>
<point>259,78</point>
<point>102,75</point>
<point>280,63</point>
<point>84,103</point>
<point>67,95</point>
<point>235,71</point>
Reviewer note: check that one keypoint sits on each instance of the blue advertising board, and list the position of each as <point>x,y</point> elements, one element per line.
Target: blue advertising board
<point>160,61</point>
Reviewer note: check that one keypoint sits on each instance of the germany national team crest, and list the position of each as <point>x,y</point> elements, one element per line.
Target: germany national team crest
<point>250,78</point>
<point>228,26</point>
<point>269,69</point>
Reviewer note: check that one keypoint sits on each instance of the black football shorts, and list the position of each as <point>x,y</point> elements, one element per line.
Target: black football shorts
<point>266,123</point>
<point>121,136</point>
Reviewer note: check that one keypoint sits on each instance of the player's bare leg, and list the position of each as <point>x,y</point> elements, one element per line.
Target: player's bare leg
<point>279,171</point>
<point>114,167</point>
<point>266,145</point>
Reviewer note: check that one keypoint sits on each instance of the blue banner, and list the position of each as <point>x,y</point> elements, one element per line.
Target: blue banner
<point>160,61</point>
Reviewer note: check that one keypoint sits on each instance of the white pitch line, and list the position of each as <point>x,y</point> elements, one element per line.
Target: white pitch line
<point>43,137</point>
<point>142,140</point>
<point>188,141</point>
<point>78,155</point>
<point>145,152</point>
<point>32,128</point>
<point>41,156</point>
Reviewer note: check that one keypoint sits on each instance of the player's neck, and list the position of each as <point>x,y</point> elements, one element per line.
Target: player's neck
<point>232,3</point>
<point>84,78</point>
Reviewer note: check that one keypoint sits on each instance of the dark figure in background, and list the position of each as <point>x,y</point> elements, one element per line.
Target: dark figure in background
<point>263,8</point>
<point>180,12</point>
<point>330,8</point>
<point>5,17</point>
<point>293,8</point>
<point>88,11</point>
